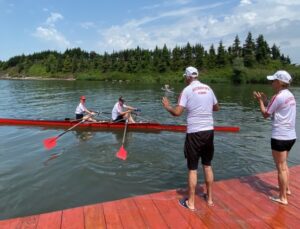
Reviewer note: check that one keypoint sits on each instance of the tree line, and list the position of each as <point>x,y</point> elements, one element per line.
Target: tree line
<point>73,62</point>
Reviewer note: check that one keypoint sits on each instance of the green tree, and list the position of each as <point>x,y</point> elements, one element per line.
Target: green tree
<point>105,63</point>
<point>51,64</point>
<point>166,56</point>
<point>145,60</point>
<point>187,55</point>
<point>249,51</point>
<point>221,59</point>
<point>238,70</point>
<point>275,52</point>
<point>199,56</point>
<point>156,59</point>
<point>211,57</point>
<point>67,64</point>
<point>262,50</point>
<point>236,49</point>
<point>176,63</point>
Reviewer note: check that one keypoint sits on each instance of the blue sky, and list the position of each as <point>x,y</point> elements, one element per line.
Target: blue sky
<point>29,26</point>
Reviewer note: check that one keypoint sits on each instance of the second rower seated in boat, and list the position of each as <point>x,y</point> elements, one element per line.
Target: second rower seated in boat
<point>81,110</point>
<point>118,113</point>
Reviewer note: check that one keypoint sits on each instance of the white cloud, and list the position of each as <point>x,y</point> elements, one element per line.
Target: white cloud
<point>245,2</point>
<point>49,33</point>
<point>52,35</point>
<point>276,20</point>
<point>54,17</point>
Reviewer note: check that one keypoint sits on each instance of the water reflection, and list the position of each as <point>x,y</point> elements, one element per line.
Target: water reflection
<point>84,136</point>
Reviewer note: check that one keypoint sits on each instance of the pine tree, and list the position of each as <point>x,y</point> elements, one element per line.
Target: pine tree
<point>262,50</point>
<point>211,57</point>
<point>236,50</point>
<point>176,63</point>
<point>51,64</point>
<point>275,52</point>
<point>67,64</point>
<point>221,59</point>
<point>249,51</point>
<point>199,56</point>
<point>187,55</point>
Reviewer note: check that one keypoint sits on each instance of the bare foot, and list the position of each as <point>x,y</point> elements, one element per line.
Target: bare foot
<point>288,192</point>
<point>184,203</point>
<point>210,203</point>
<point>278,200</point>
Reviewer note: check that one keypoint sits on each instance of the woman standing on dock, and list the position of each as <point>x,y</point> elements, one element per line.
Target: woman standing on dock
<point>282,109</point>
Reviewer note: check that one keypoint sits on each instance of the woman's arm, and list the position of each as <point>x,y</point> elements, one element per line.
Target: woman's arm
<point>261,98</point>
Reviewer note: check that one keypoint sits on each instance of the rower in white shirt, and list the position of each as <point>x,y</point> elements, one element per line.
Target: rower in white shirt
<point>82,112</point>
<point>121,115</point>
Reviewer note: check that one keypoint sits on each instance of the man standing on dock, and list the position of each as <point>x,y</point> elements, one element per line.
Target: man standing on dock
<point>200,101</point>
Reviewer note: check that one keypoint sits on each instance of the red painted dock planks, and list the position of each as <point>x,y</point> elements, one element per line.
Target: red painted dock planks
<point>171,215</point>
<point>150,213</point>
<point>227,197</point>
<point>250,201</point>
<point>193,222</point>
<point>130,214</point>
<point>73,218</point>
<point>94,216</point>
<point>239,203</point>
<point>10,223</point>
<point>111,215</point>
<point>50,220</point>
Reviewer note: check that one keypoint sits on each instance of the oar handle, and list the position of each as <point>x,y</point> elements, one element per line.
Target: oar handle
<point>103,112</point>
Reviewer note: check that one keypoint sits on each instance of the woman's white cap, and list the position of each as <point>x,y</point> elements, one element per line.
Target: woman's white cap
<point>281,75</point>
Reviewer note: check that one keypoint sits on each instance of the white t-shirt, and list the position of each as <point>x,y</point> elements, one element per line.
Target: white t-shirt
<point>80,109</point>
<point>116,111</point>
<point>282,109</point>
<point>198,99</point>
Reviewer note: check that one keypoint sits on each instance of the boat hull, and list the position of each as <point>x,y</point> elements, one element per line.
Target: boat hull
<point>102,125</point>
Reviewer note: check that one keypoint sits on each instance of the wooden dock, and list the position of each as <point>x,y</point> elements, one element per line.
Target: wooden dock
<point>239,203</point>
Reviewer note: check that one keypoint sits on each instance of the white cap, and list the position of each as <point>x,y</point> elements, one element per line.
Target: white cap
<point>281,75</point>
<point>190,72</point>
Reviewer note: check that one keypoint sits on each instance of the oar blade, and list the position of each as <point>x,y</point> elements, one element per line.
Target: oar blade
<point>50,143</point>
<point>122,153</point>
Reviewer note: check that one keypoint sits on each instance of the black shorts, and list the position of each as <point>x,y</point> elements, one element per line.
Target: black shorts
<point>79,116</point>
<point>119,119</point>
<point>199,145</point>
<point>282,145</point>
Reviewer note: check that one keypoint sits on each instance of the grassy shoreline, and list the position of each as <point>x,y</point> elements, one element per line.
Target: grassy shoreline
<point>219,75</point>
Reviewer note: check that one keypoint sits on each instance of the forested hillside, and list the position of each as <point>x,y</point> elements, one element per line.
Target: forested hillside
<point>249,62</point>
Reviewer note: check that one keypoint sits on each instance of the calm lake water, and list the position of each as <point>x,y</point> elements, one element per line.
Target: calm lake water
<point>86,170</point>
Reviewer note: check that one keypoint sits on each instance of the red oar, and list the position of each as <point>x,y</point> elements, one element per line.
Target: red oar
<point>122,153</point>
<point>50,143</point>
